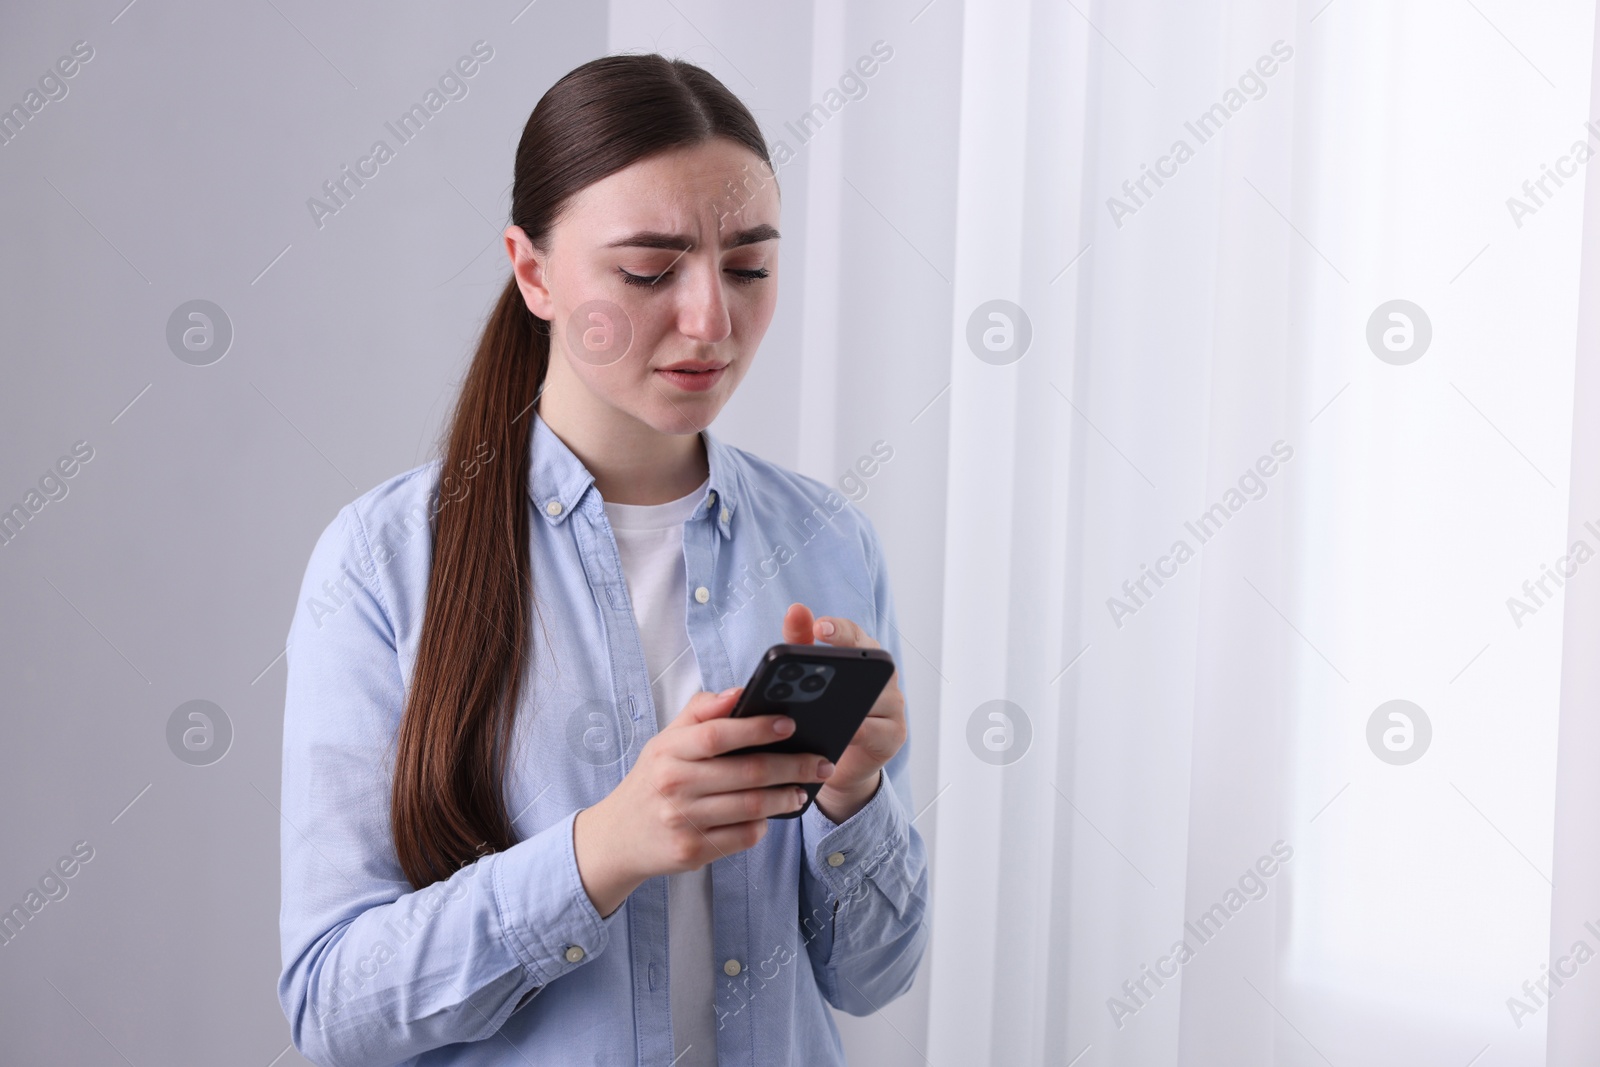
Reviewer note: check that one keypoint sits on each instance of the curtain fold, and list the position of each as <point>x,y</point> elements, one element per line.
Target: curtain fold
<point>994,823</point>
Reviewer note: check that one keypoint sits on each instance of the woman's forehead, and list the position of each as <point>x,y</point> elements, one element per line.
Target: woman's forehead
<point>668,190</point>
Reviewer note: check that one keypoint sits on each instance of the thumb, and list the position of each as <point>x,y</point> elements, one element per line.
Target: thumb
<point>797,625</point>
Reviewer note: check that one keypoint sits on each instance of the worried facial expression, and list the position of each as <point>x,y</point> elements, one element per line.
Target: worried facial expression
<point>659,282</point>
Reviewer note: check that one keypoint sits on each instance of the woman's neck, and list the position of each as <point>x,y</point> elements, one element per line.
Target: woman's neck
<point>632,463</point>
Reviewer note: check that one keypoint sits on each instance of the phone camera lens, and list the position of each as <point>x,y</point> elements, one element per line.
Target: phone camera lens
<point>813,683</point>
<point>781,691</point>
<point>790,671</point>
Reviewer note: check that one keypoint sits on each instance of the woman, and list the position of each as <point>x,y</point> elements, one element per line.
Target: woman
<point>510,844</point>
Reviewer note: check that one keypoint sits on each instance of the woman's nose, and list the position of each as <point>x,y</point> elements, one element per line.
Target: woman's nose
<point>703,313</point>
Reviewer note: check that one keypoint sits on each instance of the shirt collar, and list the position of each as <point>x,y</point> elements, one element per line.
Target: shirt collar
<point>559,483</point>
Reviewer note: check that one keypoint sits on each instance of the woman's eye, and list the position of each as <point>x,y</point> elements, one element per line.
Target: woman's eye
<point>743,277</point>
<point>641,279</point>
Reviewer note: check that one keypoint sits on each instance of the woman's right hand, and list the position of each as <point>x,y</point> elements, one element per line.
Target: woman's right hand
<point>684,803</point>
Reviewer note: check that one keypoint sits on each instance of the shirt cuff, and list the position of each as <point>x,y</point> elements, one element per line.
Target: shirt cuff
<point>545,914</point>
<point>869,846</point>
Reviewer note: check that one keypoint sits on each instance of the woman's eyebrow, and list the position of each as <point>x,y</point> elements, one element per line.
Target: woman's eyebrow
<point>682,243</point>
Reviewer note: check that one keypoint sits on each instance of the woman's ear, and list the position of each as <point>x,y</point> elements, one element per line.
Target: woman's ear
<point>531,267</point>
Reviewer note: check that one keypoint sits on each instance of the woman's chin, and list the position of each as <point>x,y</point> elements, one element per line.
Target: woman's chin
<point>688,413</point>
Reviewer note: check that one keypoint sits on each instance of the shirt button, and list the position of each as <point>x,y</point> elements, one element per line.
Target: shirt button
<point>702,594</point>
<point>835,858</point>
<point>553,508</point>
<point>726,514</point>
<point>711,500</point>
<point>574,953</point>
<point>731,968</point>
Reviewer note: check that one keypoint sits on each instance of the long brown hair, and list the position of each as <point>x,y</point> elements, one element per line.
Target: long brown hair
<point>448,804</point>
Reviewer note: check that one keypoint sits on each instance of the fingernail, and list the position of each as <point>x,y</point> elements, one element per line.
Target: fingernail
<point>824,769</point>
<point>799,798</point>
<point>728,692</point>
<point>825,628</point>
<point>782,725</point>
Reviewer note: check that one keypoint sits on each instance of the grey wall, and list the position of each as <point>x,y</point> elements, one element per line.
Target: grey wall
<point>177,167</point>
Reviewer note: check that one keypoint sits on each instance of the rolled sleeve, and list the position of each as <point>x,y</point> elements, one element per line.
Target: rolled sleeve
<point>868,846</point>
<point>552,925</point>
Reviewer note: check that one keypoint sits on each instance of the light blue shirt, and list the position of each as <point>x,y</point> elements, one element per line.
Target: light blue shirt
<point>508,961</point>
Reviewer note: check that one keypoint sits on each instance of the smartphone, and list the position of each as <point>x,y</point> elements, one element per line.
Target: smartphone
<point>826,690</point>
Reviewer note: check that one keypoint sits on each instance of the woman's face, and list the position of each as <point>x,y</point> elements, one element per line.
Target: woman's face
<point>658,282</point>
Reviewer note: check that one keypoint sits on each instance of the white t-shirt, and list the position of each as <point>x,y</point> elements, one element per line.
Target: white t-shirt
<point>650,542</point>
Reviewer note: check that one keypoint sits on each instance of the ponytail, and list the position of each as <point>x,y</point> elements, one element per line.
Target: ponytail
<point>448,804</point>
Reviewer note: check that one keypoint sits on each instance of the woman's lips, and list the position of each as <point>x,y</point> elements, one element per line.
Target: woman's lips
<point>693,381</point>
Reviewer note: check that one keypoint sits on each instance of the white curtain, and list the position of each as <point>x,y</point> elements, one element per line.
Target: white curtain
<point>1215,359</point>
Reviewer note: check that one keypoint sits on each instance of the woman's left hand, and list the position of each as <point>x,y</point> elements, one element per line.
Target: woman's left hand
<point>857,774</point>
